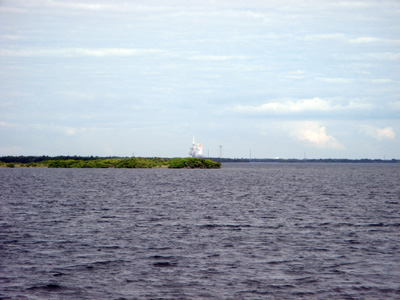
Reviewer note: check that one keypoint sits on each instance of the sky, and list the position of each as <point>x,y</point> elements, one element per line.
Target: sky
<point>288,79</point>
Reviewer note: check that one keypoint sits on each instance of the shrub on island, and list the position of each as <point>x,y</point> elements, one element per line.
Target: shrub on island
<point>137,162</point>
<point>125,163</point>
<point>193,163</point>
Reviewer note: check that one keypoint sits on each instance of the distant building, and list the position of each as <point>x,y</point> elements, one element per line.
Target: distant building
<point>196,150</point>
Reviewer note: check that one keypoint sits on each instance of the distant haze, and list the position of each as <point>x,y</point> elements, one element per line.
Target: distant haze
<point>282,78</point>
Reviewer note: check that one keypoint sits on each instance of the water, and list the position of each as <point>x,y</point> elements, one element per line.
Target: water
<point>247,231</point>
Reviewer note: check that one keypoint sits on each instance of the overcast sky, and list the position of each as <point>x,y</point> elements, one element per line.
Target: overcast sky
<point>282,78</point>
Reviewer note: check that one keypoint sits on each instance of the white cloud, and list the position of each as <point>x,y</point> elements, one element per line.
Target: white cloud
<point>343,38</point>
<point>8,9</point>
<point>298,106</point>
<point>65,4</point>
<point>71,131</point>
<point>218,57</point>
<point>299,74</point>
<point>97,52</point>
<point>116,52</point>
<point>379,134</point>
<point>371,39</point>
<point>10,125</point>
<point>366,39</point>
<point>382,80</point>
<point>10,37</point>
<point>383,56</point>
<point>351,4</point>
<point>316,135</point>
<point>77,95</point>
<point>386,133</point>
<point>335,80</point>
<point>325,36</point>
<point>395,105</point>
<point>23,6</point>
<point>78,5</point>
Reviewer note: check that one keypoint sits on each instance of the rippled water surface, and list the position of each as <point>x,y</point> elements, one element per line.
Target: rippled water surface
<point>247,231</point>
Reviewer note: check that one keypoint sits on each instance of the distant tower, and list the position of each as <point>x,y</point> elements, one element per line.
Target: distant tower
<point>196,150</point>
<point>220,151</point>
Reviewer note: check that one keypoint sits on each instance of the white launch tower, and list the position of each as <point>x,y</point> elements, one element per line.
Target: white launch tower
<point>196,150</point>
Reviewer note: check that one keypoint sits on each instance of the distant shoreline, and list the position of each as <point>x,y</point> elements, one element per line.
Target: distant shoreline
<point>292,160</point>
<point>43,161</point>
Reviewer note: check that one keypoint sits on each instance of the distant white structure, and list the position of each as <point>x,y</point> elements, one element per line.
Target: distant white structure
<point>196,150</point>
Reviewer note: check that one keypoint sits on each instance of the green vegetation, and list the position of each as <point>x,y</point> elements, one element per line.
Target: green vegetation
<point>126,163</point>
<point>193,163</point>
<point>45,158</point>
<point>18,164</point>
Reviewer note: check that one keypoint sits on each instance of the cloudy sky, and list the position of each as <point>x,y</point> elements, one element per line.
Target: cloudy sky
<point>284,78</point>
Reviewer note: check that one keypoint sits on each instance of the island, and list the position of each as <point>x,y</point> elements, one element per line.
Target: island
<point>112,162</point>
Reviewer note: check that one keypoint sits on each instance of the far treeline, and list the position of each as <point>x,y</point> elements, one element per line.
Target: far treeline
<point>126,163</point>
<point>315,160</point>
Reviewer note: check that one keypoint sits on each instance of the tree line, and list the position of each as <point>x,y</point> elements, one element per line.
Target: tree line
<point>126,163</point>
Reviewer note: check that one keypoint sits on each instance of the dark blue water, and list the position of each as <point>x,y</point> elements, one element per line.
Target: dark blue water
<point>247,231</point>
